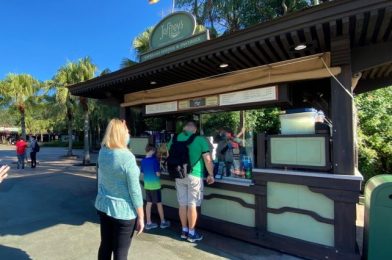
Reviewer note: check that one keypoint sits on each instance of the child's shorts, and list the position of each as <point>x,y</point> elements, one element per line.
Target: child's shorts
<point>153,196</point>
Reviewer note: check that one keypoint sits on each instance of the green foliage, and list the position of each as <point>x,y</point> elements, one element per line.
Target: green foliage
<point>375,132</point>
<point>257,120</point>
<point>226,16</point>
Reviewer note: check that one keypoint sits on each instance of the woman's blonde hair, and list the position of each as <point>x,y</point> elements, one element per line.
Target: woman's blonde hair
<point>116,134</point>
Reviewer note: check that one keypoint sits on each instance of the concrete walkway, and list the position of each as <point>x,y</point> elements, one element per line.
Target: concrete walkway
<point>48,213</point>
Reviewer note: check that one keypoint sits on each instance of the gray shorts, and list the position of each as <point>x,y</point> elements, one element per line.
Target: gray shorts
<point>190,191</point>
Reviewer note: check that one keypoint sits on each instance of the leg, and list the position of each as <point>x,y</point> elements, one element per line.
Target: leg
<point>195,196</point>
<point>182,197</point>
<point>148,212</point>
<point>19,162</point>
<point>160,211</point>
<point>22,160</point>
<point>192,217</point>
<point>33,159</point>
<point>123,232</point>
<point>106,247</point>
<point>184,216</point>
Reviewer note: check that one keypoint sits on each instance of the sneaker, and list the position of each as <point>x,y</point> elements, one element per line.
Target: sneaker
<point>196,237</point>
<point>165,224</point>
<point>184,235</point>
<point>151,226</point>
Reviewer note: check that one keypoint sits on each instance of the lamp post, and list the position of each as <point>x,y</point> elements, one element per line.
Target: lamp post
<point>151,2</point>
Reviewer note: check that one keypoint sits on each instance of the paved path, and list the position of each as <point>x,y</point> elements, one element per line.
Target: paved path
<point>47,213</point>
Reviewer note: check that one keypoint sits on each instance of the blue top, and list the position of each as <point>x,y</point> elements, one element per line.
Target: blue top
<point>150,167</point>
<point>119,192</point>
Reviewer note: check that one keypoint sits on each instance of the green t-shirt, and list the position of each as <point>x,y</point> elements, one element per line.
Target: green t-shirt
<point>197,148</point>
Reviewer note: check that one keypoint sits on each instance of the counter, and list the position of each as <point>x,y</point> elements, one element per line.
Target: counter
<point>299,212</point>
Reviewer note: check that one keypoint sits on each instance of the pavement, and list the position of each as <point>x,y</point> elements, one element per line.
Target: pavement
<point>48,213</point>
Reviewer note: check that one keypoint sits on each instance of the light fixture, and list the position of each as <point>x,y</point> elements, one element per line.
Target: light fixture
<point>151,2</point>
<point>153,82</point>
<point>224,65</point>
<point>300,47</point>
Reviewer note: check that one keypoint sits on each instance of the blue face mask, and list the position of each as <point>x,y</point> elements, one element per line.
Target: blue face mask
<point>128,141</point>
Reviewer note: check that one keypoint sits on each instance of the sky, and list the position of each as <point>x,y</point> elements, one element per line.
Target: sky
<point>39,36</point>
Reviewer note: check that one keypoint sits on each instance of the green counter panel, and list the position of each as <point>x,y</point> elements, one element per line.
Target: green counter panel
<point>227,210</point>
<point>309,151</point>
<point>294,224</point>
<point>302,227</point>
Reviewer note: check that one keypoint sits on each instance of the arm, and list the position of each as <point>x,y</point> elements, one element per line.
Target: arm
<point>210,167</point>
<point>135,192</point>
<point>241,133</point>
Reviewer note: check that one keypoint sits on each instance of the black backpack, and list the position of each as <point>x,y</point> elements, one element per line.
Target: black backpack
<point>178,162</point>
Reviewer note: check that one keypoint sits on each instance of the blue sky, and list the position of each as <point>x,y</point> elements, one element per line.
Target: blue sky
<point>39,36</point>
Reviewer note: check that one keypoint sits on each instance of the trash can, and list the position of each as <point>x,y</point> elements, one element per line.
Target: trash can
<point>377,242</point>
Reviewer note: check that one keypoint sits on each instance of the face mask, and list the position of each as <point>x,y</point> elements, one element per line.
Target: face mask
<point>188,132</point>
<point>127,140</point>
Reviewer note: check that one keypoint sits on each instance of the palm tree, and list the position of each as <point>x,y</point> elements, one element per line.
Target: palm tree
<point>69,74</point>
<point>142,42</point>
<point>125,63</point>
<point>18,90</point>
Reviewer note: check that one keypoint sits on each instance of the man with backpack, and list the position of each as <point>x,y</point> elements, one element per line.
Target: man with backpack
<point>189,156</point>
<point>34,149</point>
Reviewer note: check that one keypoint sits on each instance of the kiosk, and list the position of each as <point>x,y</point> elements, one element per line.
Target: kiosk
<point>301,195</point>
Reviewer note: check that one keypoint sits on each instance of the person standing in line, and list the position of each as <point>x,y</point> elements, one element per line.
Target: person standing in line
<point>21,147</point>
<point>190,189</point>
<point>119,200</point>
<point>33,151</point>
<point>150,169</point>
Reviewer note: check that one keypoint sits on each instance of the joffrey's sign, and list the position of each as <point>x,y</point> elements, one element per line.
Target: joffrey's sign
<point>174,27</point>
<point>171,30</point>
<point>176,31</point>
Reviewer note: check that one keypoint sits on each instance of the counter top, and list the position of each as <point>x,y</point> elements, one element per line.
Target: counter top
<point>356,177</point>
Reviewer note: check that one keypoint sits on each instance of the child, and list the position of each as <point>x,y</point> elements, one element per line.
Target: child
<point>152,186</point>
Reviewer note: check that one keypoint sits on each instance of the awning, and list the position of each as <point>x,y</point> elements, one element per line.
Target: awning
<point>305,68</point>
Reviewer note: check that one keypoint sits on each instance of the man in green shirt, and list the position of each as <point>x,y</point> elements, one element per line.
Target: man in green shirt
<point>190,189</point>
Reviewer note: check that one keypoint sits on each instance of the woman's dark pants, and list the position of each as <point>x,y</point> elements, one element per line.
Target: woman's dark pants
<point>116,236</point>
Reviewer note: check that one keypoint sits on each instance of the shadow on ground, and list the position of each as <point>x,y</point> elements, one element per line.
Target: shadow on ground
<point>11,253</point>
<point>37,202</point>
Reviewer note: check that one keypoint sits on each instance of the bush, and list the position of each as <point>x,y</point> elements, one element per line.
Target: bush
<point>375,132</point>
<point>75,145</point>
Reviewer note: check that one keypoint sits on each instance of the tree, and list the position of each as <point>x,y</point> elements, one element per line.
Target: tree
<point>19,90</point>
<point>67,75</point>
<point>142,42</point>
<point>125,63</point>
<point>375,132</point>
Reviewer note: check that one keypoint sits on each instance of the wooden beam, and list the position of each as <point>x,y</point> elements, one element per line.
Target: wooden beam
<point>371,56</point>
<point>342,109</point>
<point>366,85</point>
<point>385,23</point>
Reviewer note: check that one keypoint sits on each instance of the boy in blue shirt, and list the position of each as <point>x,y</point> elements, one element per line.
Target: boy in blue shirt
<point>152,186</point>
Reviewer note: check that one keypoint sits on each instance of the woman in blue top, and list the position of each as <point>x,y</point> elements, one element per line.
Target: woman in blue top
<point>119,200</point>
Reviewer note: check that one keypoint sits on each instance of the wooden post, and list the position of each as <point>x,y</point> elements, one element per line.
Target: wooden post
<point>342,108</point>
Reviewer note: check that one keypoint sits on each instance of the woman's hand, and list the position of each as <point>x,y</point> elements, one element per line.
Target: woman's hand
<point>140,220</point>
<point>4,172</point>
<point>140,225</point>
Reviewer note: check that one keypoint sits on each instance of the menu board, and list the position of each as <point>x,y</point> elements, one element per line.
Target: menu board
<point>248,96</point>
<point>161,107</point>
<point>198,102</point>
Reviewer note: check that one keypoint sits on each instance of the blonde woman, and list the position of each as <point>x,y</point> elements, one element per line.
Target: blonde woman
<point>119,201</point>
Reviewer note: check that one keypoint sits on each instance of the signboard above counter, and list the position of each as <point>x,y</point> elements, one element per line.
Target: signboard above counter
<point>176,31</point>
<point>224,101</point>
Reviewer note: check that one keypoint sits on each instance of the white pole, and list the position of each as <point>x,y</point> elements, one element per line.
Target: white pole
<point>173,5</point>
